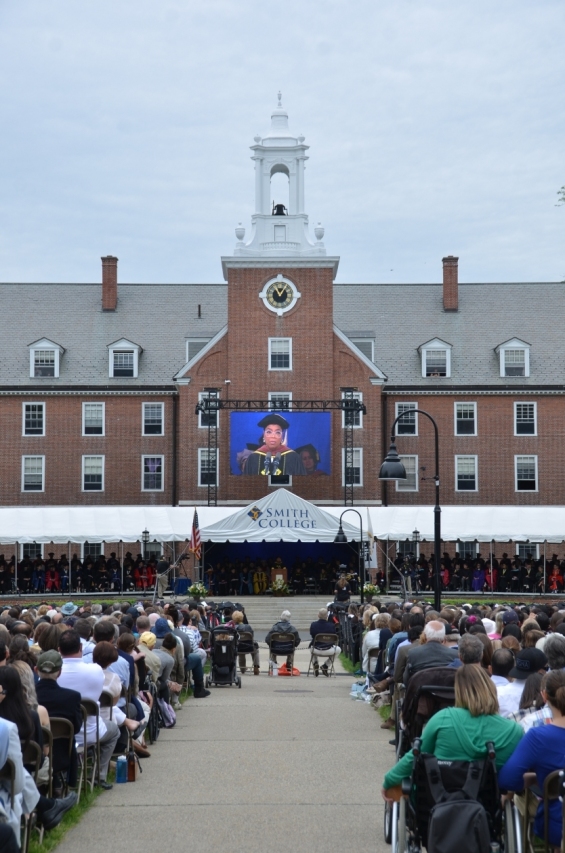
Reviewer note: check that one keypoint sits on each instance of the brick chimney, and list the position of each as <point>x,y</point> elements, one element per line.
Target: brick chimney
<point>109,283</point>
<point>450,283</point>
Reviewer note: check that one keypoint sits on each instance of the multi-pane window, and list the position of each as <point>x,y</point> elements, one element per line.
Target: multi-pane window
<point>33,473</point>
<point>194,346</point>
<point>93,473</point>
<point>280,353</point>
<point>280,401</point>
<point>208,418</point>
<point>44,362</point>
<point>152,473</point>
<point>410,484</point>
<point>366,345</point>
<point>436,362</point>
<point>514,362</point>
<point>526,473</point>
<point>465,473</point>
<point>34,419</point>
<point>407,425</point>
<point>467,550</point>
<point>207,467</point>
<point>123,362</point>
<point>524,419</point>
<point>352,417</point>
<point>153,419</point>
<point>93,418</point>
<point>353,472</point>
<point>465,418</point>
<point>91,549</point>
<point>527,550</point>
<point>31,550</point>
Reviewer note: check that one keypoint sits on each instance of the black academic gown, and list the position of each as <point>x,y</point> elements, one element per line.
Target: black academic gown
<point>289,462</point>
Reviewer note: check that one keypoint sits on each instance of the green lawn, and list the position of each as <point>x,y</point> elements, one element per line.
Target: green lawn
<point>52,838</point>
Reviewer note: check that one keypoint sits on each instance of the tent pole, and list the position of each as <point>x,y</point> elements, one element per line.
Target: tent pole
<point>69,559</point>
<point>544,567</point>
<point>122,566</point>
<point>16,566</point>
<point>491,570</point>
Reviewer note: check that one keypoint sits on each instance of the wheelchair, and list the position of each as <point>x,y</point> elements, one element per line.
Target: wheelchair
<point>429,691</point>
<point>407,819</point>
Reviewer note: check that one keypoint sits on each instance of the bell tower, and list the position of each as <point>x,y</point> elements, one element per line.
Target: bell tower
<point>278,232</point>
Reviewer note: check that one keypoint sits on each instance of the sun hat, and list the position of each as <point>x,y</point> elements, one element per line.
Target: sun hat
<point>68,609</point>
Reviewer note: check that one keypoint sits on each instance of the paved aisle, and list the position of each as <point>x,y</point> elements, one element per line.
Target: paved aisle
<point>280,765</point>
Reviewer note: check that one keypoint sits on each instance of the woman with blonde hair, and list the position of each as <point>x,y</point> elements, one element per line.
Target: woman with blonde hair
<point>376,638</point>
<point>460,733</point>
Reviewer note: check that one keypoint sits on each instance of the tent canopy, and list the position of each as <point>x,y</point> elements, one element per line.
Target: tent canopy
<point>280,516</point>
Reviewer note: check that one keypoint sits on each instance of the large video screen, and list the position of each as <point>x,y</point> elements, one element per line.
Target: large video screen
<point>280,443</point>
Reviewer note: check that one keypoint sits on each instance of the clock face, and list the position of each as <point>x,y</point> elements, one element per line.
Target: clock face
<point>279,295</point>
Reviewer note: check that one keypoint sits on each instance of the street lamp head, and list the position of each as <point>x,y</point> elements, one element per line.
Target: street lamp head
<point>416,536</point>
<point>392,468</point>
<point>145,537</point>
<point>340,537</point>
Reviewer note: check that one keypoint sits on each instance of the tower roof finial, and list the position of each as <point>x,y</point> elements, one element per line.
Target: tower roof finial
<point>279,96</point>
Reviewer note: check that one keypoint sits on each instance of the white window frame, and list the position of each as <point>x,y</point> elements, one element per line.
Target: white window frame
<point>40,546</point>
<point>459,543</point>
<point>456,419</point>
<point>93,434</point>
<point>124,346</point>
<point>356,395</point>
<point>45,345</point>
<point>279,369</point>
<point>33,456</point>
<point>152,456</point>
<point>355,450</point>
<point>274,395</point>
<point>532,547</point>
<point>90,545</point>
<point>514,344</point>
<point>365,341</point>
<point>522,456</point>
<point>189,341</point>
<point>476,460</point>
<point>396,414</point>
<point>399,484</point>
<point>153,434</point>
<point>34,434</point>
<point>96,456</point>
<point>201,451</point>
<point>201,396</point>
<point>436,344</point>
<point>525,434</point>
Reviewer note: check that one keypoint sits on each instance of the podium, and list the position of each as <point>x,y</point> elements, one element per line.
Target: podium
<point>279,574</point>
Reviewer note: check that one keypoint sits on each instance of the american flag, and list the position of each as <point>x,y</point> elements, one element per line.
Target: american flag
<point>195,541</point>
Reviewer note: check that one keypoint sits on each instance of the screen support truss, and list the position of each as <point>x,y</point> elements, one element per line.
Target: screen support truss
<point>211,403</point>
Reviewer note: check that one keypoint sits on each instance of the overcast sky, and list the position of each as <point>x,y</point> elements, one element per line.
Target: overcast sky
<point>436,127</point>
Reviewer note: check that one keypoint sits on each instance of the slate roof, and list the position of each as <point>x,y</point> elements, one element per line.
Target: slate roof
<point>400,317</point>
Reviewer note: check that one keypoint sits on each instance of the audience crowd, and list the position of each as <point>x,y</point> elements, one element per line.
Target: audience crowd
<point>132,661</point>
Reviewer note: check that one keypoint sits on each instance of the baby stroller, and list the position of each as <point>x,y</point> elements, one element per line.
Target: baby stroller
<point>223,657</point>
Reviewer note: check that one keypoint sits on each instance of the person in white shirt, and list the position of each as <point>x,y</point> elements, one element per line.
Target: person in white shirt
<point>88,680</point>
<point>527,661</point>
<point>499,669</point>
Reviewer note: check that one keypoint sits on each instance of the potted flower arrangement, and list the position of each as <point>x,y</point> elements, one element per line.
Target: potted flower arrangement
<point>197,591</point>
<point>369,590</point>
<point>279,587</point>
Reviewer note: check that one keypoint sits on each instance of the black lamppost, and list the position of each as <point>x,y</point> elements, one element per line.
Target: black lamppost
<point>393,469</point>
<point>341,537</point>
<point>145,542</point>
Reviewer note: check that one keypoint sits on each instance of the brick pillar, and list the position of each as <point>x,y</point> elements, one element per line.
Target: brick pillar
<point>450,283</point>
<point>109,283</point>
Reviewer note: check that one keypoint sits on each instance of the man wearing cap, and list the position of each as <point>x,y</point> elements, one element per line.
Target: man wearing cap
<point>528,661</point>
<point>274,456</point>
<point>60,702</point>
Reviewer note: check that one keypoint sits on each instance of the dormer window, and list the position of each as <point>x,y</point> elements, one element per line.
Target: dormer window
<point>44,357</point>
<point>436,359</point>
<point>514,358</point>
<point>124,359</point>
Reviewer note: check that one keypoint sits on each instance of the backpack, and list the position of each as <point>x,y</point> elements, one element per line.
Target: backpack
<point>457,821</point>
<point>167,713</point>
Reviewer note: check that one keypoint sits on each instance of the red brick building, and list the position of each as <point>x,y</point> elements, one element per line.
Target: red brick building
<point>100,384</point>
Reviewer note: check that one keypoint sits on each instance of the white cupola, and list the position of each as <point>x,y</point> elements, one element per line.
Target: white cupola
<point>277,231</point>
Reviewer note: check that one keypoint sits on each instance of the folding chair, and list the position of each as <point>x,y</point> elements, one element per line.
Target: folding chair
<point>107,701</point>
<point>32,757</point>
<point>205,639</point>
<point>282,644</point>
<point>48,741</point>
<point>245,645</point>
<point>84,750</point>
<point>317,649</point>
<point>553,789</point>
<point>62,730</point>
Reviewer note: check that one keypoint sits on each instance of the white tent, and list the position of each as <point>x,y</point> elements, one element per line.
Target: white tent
<point>470,523</point>
<point>280,516</point>
<point>94,524</point>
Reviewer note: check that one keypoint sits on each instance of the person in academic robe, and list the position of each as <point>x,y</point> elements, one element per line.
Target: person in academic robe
<point>310,459</point>
<point>274,456</point>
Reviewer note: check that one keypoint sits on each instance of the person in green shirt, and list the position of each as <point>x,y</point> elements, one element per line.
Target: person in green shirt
<point>461,733</point>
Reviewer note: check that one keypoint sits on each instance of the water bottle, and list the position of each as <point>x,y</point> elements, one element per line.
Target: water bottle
<point>494,847</point>
<point>121,769</point>
<point>131,759</point>
<point>275,668</point>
